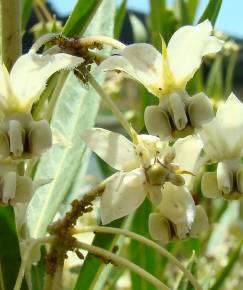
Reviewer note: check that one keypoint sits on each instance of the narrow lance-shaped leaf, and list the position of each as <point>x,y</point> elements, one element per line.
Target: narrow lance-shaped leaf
<point>211,11</point>
<point>26,11</point>
<point>9,250</point>
<point>80,18</point>
<point>119,18</point>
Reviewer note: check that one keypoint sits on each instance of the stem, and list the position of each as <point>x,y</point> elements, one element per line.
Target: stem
<point>48,282</point>
<point>145,241</point>
<point>85,41</point>
<point>26,257</point>
<point>89,40</point>
<point>109,103</point>
<point>120,261</point>
<point>57,279</point>
<point>11,46</point>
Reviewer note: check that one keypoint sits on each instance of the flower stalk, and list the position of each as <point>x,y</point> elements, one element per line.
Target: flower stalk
<point>107,100</point>
<point>120,261</point>
<point>26,258</point>
<point>146,242</point>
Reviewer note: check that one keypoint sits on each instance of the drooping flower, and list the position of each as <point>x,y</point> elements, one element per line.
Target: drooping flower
<point>223,143</point>
<point>20,135</point>
<point>143,168</point>
<point>166,75</point>
<point>27,80</point>
<point>178,217</point>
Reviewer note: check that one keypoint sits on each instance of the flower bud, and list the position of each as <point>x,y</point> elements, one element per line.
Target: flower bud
<point>200,110</point>
<point>40,137</point>
<point>157,121</point>
<point>176,179</point>
<point>159,228</point>
<point>16,138</point>
<point>157,174</point>
<point>177,111</point>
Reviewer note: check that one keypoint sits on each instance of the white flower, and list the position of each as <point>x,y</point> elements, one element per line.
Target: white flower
<point>162,228</point>
<point>223,143</point>
<point>20,88</point>
<point>143,167</point>
<point>170,71</point>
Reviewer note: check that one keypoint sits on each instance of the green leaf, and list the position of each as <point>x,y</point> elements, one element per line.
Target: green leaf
<point>230,73</point>
<point>211,11</point>
<point>192,8</point>
<point>9,250</point>
<point>224,273</point>
<point>38,272</point>
<point>26,11</point>
<point>93,266</point>
<point>141,255</point>
<point>119,18</point>
<point>162,21</point>
<point>184,14</point>
<point>214,85</point>
<point>80,18</point>
<point>75,111</point>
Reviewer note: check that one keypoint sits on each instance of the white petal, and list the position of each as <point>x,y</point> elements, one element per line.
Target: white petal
<point>123,194</point>
<point>188,151</point>
<point>112,147</point>
<point>5,93</point>
<point>31,71</point>
<point>159,228</point>
<point>186,48</point>
<point>141,60</point>
<point>209,185</point>
<point>177,204</point>
<point>200,222</point>
<point>223,136</point>
<point>230,118</point>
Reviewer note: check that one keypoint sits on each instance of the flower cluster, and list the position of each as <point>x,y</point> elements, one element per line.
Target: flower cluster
<point>21,136</point>
<point>150,166</point>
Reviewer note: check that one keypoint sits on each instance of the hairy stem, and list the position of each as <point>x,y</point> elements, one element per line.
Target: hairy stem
<point>57,279</point>
<point>83,41</point>
<point>120,261</point>
<point>11,46</point>
<point>26,257</point>
<point>145,241</point>
<point>110,104</point>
